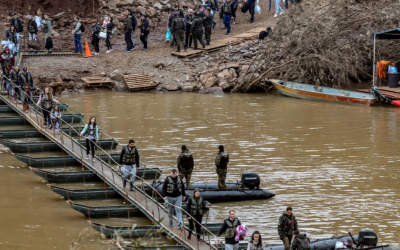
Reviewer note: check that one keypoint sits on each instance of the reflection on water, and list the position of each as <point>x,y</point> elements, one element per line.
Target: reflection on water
<point>336,165</point>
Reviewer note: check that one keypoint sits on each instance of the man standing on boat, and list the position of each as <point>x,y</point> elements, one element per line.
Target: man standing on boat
<point>129,159</point>
<point>185,165</point>
<point>221,162</point>
<point>286,226</point>
<point>229,227</point>
<point>173,190</point>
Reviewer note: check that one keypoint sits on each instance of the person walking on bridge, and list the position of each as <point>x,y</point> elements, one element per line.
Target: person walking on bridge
<point>174,192</point>
<point>47,100</point>
<point>221,162</point>
<point>14,75</point>
<point>91,131</point>
<point>129,159</point>
<point>229,227</point>
<point>286,226</point>
<point>194,207</point>
<point>26,80</point>
<point>185,165</point>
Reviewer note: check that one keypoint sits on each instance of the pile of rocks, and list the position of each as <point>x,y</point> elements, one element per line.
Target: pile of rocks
<point>61,85</point>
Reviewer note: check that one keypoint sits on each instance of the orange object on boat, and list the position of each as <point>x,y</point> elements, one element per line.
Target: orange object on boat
<point>382,68</point>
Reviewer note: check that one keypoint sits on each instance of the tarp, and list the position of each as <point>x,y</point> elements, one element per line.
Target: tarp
<point>392,34</point>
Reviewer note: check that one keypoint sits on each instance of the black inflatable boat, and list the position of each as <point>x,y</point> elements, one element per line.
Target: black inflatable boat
<point>245,189</point>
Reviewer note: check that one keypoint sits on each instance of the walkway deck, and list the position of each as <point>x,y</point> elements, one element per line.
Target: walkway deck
<point>149,206</point>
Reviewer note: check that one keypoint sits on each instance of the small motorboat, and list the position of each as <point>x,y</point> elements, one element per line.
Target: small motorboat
<point>245,189</point>
<point>318,93</point>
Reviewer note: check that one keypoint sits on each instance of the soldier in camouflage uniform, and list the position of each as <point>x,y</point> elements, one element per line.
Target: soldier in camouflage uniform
<point>185,164</point>
<point>196,30</point>
<point>178,27</point>
<point>221,162</point>
<point>286,226</point>
<point>301,241</point>
<point>207,21</point>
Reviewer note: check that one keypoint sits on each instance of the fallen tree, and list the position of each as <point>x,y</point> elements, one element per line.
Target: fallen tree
<point>327,43</point>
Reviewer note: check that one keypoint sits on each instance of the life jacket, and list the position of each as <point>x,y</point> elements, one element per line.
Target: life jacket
<point>90,131</point>
<point>228,8</point>
<point>13,37</point>
<point>31,28</point>
<point>223,160</point>
<point>129,157</point>
<point>179,23</point>
<point>15,23</point>
<point>255,247</point>
<point>288,225</point>
<point>186,160</point>
<point>46,26</point>
<point>14,76</point>
<point>46,101</point>
<point>26,79</point>
<point>171,185</point>
<point>6,59</point>
<point>126,22</point>
<point>212,4</point>
<point>303,242</point>
<point>231,230</point>
<point>197,207</point>
<point>55,119</point>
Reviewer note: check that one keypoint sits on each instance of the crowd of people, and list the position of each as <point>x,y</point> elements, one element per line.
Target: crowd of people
<point>194,26</point>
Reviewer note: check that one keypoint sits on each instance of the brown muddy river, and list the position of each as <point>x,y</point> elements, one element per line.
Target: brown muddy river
<point>336,165</point>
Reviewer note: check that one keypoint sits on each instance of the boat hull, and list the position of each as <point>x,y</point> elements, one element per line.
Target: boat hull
<point>210,193</point>
<point>320,96</point>
<point>107,211</point>
<point>58,161</point>
<point>82,176</point>
<point>33,133</point>
<point>140,231</point>
<point>83,194</point>
<point>19,120</point>
<point>32,147</point>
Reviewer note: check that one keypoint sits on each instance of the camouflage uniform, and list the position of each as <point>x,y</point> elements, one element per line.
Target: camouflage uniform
<point>207,21</point>
<point>222,169</point>
<point>301,242</point>
<point>185,166</point>
<point>197,30</point>
<point>178,26</point>
<point>286,227</point>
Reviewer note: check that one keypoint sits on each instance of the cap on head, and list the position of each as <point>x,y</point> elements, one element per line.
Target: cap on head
<point>28,16</point>
<point>190,10</point>
<point>25,69</point>
<point>221,147</point>
<point>13,14</point>
<point>172,10</point>
<point>183,147</point>
<point>7,49</point>
<point>144,15</point>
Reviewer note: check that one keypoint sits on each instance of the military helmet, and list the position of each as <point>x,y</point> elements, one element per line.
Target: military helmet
<point>196,13</point>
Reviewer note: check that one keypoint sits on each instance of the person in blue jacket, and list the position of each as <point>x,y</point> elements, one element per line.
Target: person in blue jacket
<point>91,131</point>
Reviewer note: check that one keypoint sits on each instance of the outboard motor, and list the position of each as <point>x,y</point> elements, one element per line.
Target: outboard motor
<point>378,95</point>
<point>367,237</point>
<point>251,180</point>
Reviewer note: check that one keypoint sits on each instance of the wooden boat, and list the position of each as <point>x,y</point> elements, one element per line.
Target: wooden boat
<point>83,194</point>
<point>33,133</point>
<point>210,193</point>
<point>81,176</point>
<point>8,109</point>
<point>112,211</point>
<point>107,211</point>
<point>58,161</point>
<point>19,120</point>
<point>318,93</point>
<point>31,147</point>
<point>140,231</point>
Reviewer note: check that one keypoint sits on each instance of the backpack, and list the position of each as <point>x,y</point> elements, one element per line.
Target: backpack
<point>263,34</point>
<point>187,160</point>
<point>49,43</point>
<point>245,7</point>
<point>82,28</point>
<point>134,22</point>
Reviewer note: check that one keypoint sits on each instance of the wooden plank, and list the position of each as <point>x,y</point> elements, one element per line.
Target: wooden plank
<point>136,82</point>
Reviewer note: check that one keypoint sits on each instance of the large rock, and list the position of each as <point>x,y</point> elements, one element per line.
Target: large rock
<point>214,90</point>
<point>103,74</point>
<point>144,3</point>
<point>141,9</point>
<point>80,85</point>
<point>203,78</point>
<point>211,82</point>
<point>68,85</point>
<point>171,87</point>
<point>120,17</point>
<point>112,5</point>
<point>151,13</point>
<point>232,73</point>
<point>232,65</point>
<point>117,75</point>
<point>157,6</point>
<point>120,25</point>
<point>225,75</point>
<point>187,89</point>
<point>58,78</point>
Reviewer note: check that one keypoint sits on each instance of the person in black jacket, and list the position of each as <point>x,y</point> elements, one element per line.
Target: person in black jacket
<point>189,17</point>
<point>194,207</point>
<point>174,192</point>
<point>95,36</point>
<point>144,31</point>
<point>33,30</point>
<point>109,28</point>
<point>129,159</point>
<point>16,22</point>
<point>229,227</point>
<point>170,19</point>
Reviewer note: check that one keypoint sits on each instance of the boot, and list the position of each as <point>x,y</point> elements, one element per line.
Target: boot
<point>208,43</point>
<point>124,184</point>
<point>204,46</point>
<point>132,187</point>
<point>178,50</point>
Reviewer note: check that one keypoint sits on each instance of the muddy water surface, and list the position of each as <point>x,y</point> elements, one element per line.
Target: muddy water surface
<point>336,165</point>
